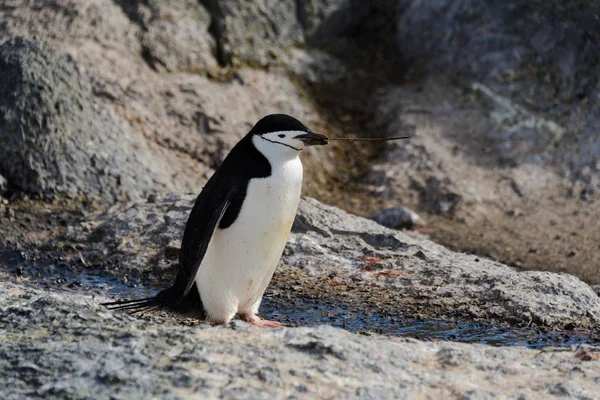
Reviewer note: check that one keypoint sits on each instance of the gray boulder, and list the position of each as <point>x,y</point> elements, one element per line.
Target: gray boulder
<point>184,119</point>
<point>174,35</point>
<point>495,42</point>
<point>329,240</point>
<point>540,54</point>
<point>254,32</point>
<point>143,133</point>
<point>57,140</point>
<point>397,218</point>
<point>64,345</point>
<point>97,33</point>
<point>260,33</point>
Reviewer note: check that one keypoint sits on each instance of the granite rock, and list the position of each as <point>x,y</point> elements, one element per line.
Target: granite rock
<point>326,241</point>
<point>57,140</point>
<point>66,345</point>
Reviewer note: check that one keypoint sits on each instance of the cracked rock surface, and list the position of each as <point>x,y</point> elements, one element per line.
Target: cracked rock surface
<point>143,237</point>
<point>64,345</point>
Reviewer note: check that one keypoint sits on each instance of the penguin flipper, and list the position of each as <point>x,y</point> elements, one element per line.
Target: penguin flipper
<point>200,228</point>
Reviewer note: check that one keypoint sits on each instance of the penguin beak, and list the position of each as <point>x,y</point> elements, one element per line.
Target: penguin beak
<point>312,139</point>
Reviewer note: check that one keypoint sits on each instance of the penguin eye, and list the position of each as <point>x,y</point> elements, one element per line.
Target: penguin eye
<point>281,135</point>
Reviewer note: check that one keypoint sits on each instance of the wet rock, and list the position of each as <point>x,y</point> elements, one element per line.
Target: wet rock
<point>47,337</point>
<point>326,240</point>
<point>397,218</point>
<point>480,288</point>
<point>57,140</point>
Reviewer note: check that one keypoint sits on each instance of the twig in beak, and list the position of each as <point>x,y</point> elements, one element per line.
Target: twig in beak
<point>372,139</point>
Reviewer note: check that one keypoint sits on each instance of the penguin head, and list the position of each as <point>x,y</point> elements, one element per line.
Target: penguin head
<point>285,135</point>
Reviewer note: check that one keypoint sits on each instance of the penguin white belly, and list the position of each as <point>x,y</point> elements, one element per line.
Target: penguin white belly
<point>241,259</point>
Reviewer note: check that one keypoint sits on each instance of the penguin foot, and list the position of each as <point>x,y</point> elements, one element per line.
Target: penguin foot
<point>258,321</point>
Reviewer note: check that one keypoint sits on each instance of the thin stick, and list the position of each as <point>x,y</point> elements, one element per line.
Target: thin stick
<point>372,139</point>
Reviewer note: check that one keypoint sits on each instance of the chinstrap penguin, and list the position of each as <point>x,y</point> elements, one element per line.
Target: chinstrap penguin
<point>238,227</point>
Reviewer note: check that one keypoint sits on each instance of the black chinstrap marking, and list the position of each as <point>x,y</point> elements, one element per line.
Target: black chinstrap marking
<point>283,144</point>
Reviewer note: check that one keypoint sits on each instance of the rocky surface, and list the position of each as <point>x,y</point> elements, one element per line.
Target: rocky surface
<point>480,188</point>
<point>333,248</point>
<point>539,55</point>
<point>57,140</point>
<point>274,26</point>
<point>173,35</point>
<point>65,345</point>
<point>111,100</point>
<point>504,162</point>
<point>130,79</point>
<point>500,165</point>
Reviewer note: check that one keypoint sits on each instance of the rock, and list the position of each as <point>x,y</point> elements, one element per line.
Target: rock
<point>183,119</point>
<point>261,33</point>
<point>326,19</point>
<point>70,20</point>
<point>66,345</point>
<point>524,51</point>
<point>254,32</point>
<point>175,34</point>
<point>315,66</point>
<point>325,240</point>
<point>397,218</point>
<point>497,40</point>
<point>466,173</point>
<point>193,116</point>
<point>96,33</point>
<point>331,240</point>
<point>56,140</point>
<point>3,184</point>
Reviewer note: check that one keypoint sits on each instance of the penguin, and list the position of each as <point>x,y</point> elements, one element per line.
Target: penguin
<point>238,227</point>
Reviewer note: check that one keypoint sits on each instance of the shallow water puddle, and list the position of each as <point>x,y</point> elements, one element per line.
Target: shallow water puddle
<point>299,312</point>
<point>48,275</point>
<point>311,314</point>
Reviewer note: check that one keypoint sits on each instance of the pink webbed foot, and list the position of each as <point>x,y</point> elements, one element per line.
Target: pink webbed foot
<point>262,323</point>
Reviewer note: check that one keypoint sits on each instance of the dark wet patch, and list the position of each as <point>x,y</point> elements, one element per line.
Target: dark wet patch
<point>56,275</point>
<point>299,308</point>
<point>308,313</point>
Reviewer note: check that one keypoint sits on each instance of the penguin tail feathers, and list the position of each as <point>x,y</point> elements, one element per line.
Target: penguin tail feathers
<point>169,299</point>
<point>160,301</point>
